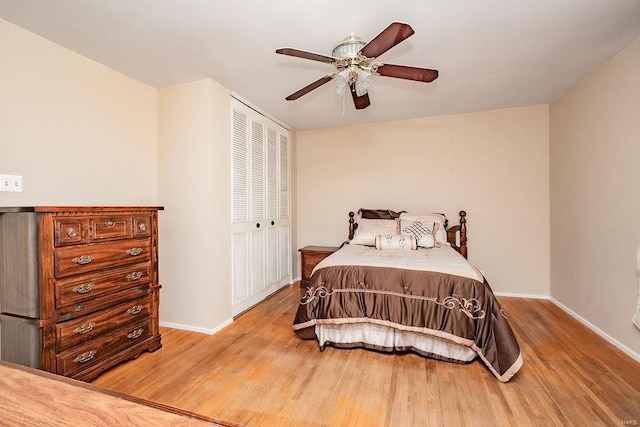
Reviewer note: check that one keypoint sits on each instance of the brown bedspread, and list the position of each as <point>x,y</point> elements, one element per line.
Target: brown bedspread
<point>456,308</point>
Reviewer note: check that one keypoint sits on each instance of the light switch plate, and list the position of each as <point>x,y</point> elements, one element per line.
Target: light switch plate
<point>11,183</point>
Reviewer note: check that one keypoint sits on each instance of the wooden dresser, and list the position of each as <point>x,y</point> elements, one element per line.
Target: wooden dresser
<point>79,288</point>
<point>310,256</point>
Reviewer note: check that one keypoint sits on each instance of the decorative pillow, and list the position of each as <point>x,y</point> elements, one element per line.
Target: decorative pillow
<point>423,225</point>
<point>368,229</point>
<point>396,241</point>
<point>378,214</point>
<point>427,242</point>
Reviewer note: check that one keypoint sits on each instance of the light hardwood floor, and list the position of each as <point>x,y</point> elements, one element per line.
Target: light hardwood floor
<point>256,372</point>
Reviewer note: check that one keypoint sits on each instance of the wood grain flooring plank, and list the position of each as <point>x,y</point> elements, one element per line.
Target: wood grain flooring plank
<point>257,372</point>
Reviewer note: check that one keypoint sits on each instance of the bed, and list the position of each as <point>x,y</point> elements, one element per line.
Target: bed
<point>402,282</point>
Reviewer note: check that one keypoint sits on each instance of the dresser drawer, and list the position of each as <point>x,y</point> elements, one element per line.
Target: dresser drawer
<point>142,226</point>
<point>92,325</point>
<point>109,228</point>
<point>100,303</point>
<point>82,259</point>
<point>94,229</point>
<point>83,356</point>
<point>70,231</point>
<point>81,289</point>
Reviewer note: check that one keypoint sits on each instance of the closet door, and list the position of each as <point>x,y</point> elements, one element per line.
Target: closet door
<point>273,275</point>
<point>258,241</point>
<point>240,230</point>
<point>284,221</point>
<point>257,194</point>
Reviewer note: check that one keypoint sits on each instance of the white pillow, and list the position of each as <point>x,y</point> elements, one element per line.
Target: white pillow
<point>396,241</point>
<point>423,225</point>
<point>426,241</point>
<point>368,229</point>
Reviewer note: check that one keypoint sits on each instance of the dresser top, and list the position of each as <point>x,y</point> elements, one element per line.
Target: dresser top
<point>12,209</point>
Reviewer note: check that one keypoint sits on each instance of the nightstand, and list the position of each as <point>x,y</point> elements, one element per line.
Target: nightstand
<point>310,256</point>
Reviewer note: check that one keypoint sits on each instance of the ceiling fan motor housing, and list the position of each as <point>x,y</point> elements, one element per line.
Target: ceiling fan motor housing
<point>349,47</point>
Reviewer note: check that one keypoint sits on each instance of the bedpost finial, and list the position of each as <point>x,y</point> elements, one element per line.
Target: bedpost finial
<point>463,234</point>
<point>352,225</point>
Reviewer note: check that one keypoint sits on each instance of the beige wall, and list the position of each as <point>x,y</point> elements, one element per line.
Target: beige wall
<point>82,134</point>
<point>595,171</point>
<point>195,267</point>
<point>78,132</point>
<point>293,185</point>
<point>494,165</point>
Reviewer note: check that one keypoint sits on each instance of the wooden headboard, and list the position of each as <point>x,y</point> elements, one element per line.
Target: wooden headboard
<point>459,244</point>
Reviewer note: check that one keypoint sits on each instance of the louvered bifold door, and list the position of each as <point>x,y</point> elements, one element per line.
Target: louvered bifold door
<point>240,239</point>
<point>284,230</point>
<point>258,234</point>
<point>260,226</point>
<point>272,222</point>
<point>240,178</point>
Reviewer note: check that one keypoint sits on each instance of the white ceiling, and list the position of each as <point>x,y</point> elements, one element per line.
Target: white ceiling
<point>491,54</point>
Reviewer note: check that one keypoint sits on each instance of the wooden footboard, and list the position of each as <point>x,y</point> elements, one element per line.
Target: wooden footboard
<point>456,235</point>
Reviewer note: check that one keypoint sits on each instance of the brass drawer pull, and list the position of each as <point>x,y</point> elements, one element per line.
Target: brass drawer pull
<point>135,334</point>
<point>142,226</point>
<point>84,288</point>
<point>85,357</point>
<point>134,251</point>
<point>85,328</point>
<point>134,276</point>
<point>135,309</point>
<point>110,223</point>
<point>71,232</point>
<point>82,260</point>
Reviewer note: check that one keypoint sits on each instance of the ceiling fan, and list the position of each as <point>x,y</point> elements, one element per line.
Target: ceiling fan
<point>354,61</point>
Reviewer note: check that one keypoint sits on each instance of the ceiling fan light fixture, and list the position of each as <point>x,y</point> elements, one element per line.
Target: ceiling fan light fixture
<point>349,47</point>
<point>363,81</point>
<point>342,81</point>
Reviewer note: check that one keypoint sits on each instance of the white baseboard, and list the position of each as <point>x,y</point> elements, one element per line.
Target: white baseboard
<point>516,295</point>
<point>597,330</point>
<point>197,328</point>
<point>207,330</point>
<point>579,318</point>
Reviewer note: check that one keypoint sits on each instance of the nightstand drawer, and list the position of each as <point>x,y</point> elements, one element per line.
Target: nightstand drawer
<point>310,256</point>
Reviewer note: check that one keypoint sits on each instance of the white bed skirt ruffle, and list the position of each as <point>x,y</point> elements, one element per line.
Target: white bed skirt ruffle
<point>389,338</point>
